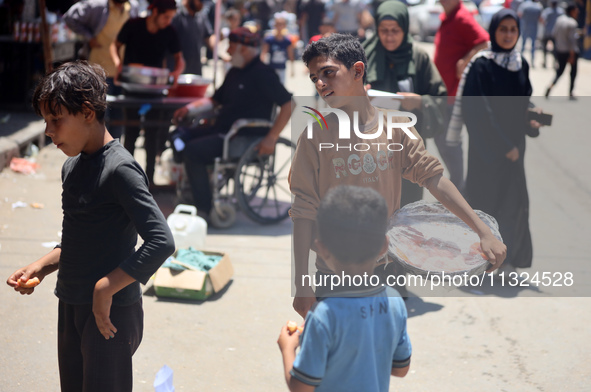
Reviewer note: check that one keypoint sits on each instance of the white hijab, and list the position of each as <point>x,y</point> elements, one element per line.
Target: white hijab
<point>510,60</point>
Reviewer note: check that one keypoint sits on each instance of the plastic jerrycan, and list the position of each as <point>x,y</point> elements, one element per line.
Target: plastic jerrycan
<point>187,228</point>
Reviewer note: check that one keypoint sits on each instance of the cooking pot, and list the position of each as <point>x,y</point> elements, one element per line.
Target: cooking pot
<point>190,86</point>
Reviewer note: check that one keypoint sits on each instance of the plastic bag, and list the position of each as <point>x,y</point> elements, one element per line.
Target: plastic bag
<point>426,238</point>
<point>23,165</point>
<point>163,381</point>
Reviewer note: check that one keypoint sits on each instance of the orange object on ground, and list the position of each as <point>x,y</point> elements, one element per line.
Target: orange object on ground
<point>22,165</point>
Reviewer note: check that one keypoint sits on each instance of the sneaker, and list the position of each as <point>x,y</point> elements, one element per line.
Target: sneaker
<point>547,93</point>
<point>572,97</point>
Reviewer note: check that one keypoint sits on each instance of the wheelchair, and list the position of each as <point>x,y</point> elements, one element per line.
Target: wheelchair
<point>242,180</point>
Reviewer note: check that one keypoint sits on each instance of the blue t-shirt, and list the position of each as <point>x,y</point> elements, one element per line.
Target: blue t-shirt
<point>277,51</point>
<point>351,343</point>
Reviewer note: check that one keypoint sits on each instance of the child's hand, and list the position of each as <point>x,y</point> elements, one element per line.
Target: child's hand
<point>101,307</point>
<point>24,280</point>
<point>288,342</point>
<point>494,250</point>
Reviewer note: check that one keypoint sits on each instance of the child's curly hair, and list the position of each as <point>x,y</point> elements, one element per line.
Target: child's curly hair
<point>352,223</point>
<point>74,86</point>
<point>340,47</point>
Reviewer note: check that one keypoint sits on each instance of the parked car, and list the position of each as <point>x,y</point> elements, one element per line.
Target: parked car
<point>424,16</point>
<point>487,9</point>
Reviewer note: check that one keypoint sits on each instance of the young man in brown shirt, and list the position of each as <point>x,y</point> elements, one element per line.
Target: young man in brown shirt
<point>337,68</point>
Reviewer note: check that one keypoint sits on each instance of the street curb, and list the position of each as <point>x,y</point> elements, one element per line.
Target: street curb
<point>16,144</point>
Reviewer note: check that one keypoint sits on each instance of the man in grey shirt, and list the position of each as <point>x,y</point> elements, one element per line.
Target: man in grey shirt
<point>549,16</point>
<point>565,35</point>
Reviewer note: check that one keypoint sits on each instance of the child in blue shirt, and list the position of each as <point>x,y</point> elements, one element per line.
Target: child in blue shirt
<point>356,337</point>
<point>279,47</point>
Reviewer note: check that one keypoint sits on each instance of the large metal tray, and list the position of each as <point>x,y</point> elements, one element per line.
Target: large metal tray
<point>427,239</point>
<point>154,89</point>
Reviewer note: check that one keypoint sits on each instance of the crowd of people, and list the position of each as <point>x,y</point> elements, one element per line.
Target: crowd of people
<point>478,78</point>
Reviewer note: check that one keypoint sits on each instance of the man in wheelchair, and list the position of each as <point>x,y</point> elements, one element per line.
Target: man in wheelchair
<point>251,89</point>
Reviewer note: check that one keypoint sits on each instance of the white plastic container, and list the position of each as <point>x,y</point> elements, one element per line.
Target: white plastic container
<point>187,228</point>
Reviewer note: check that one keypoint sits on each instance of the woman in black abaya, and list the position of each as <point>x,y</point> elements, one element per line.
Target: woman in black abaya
<point>493,100</point>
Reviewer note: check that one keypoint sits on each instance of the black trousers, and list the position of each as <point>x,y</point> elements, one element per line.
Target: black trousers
<point>562,59</point>
<point>155,137</point>
<point>545,41</point>
<point>114,113</point>
<point>87,361</point>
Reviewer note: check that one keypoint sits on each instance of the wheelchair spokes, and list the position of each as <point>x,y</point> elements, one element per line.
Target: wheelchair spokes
<point>261,183</point>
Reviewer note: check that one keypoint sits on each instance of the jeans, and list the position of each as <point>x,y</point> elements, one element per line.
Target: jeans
<point>532,38</point>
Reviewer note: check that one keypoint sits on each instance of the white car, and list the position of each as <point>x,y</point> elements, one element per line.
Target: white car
<point>487,9</point>
<point>424,16</point>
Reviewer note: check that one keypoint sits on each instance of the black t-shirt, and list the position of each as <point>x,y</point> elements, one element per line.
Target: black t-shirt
<point>249,92</point>
<point>145,48</point>
<point>193,31</point>
<point>106,204</point>
<point>315,10</point>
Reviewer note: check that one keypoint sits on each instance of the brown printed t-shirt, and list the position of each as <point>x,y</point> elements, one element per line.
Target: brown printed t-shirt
<point>316,168</point>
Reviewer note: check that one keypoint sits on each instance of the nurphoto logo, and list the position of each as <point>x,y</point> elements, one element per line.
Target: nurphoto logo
<point>392,118</point>
<point>315,116</point>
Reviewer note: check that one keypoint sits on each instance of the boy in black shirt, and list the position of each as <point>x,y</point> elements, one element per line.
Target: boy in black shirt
<point>106,204</point>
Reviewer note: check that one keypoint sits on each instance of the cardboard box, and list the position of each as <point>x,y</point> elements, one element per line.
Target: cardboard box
<point>194,284</point>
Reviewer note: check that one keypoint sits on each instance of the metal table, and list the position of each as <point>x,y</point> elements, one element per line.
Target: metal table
<point>163,104</point>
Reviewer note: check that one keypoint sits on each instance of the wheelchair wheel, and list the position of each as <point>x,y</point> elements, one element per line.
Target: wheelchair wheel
<point>261,184</point>
<point>224,218</point>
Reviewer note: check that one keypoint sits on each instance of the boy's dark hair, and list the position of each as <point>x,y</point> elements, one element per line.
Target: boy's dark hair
<point>343,48</point>
<point>570,8</point>
<point>352,223</point>
<point>162,5</point>
<point>73,85</point>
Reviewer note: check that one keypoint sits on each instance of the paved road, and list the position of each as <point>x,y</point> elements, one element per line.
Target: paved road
<point>491,339</point>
